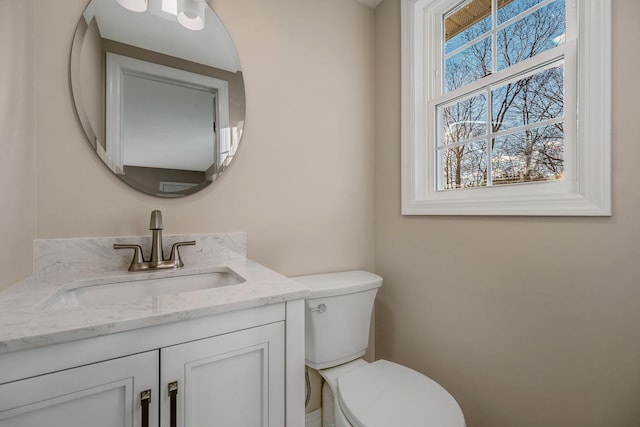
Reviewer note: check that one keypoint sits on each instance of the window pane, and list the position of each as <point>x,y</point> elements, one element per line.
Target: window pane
<point>463,120</point>
<point>537,32</point>
<point>529,100</point>
<point>464,166</point>
<point>511,8</point>
<point>466,23</point>
<point>466,67</point>
<point>532,155</point>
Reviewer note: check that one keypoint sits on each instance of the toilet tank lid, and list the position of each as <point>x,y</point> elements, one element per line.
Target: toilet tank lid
<point>345,282</point>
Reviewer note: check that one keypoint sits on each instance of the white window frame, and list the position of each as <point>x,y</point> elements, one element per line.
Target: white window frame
<point>586,189</point>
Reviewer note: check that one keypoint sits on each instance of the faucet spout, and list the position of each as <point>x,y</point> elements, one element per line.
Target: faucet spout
<point>155,225</point>
<point>156,220</point>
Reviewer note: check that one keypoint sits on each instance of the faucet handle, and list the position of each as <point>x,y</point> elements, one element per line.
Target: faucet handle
<point>175,252</point>
<point>137,254</point>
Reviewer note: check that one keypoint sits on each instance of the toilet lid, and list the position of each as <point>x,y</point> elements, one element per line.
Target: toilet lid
<point>384,394</point>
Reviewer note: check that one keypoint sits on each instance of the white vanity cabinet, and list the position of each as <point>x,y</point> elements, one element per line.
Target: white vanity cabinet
<point>224,370</point>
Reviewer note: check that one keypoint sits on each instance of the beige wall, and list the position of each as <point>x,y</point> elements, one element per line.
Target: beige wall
<point>529,322</point>
<point>17,140</point>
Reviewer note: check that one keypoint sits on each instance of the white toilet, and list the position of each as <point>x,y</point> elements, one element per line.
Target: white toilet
<point>357,393</point>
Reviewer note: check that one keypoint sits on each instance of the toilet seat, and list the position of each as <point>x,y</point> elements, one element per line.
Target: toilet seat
<point>383,394</point>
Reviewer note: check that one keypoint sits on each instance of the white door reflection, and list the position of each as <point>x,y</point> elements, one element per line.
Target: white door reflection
<point>153,109</point>
<point>160,115</point>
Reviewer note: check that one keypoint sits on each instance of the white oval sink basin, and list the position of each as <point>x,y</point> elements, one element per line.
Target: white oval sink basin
<point>106,293</point>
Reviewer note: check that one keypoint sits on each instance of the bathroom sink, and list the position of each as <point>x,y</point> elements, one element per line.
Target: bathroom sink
<point>92,294</point>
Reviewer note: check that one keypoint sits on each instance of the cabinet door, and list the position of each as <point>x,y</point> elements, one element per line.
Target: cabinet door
<point>105,394</point>
<point>232,380</point>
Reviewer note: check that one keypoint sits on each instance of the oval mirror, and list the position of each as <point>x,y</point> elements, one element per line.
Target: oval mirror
<point>158,90</point>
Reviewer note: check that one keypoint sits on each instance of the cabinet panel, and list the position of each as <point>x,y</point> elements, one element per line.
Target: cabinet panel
<point>232,380</point>
<point>105,394</point>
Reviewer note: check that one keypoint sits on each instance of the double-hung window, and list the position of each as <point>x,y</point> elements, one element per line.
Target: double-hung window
<point>506,107</point>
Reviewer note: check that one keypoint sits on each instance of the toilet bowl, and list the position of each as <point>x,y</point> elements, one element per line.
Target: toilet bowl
<point>357,393</point>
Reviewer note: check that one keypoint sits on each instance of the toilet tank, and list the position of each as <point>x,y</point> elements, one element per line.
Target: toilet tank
<point>337,316</point>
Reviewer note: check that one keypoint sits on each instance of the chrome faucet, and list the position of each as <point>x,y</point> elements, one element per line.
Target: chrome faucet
<point>157,260</point>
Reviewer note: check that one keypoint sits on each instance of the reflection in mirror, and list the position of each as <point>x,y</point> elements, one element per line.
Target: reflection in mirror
<point>162,102</point>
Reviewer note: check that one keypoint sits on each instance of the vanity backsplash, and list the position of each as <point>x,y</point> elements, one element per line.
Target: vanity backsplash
<point>96,254</point>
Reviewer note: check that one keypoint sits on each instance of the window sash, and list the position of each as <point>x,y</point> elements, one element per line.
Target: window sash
<point>438,97</point>
<point>495,28</point>
<point>488,136</point>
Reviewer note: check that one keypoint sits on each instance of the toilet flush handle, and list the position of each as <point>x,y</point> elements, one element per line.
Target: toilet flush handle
<point>321,308</point>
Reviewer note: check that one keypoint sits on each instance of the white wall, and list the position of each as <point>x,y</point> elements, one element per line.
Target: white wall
<point>529,322</point>
<point>302,183</point>
<point>18,206</point>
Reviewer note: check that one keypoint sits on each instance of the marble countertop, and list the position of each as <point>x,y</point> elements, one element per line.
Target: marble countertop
<point>29,319</point>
